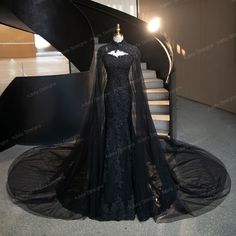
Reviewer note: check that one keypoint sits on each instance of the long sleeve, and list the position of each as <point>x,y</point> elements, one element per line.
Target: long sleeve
<point>100,78</point>
<point>98,96</point>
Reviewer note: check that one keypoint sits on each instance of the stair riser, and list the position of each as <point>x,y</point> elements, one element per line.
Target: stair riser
<point>163,132</point>
<point>149,74</point>
<point>143,65</point>
<point>157,96</point>
<point>161,126</point>
<point>155,109</point>
<point>150,85</point>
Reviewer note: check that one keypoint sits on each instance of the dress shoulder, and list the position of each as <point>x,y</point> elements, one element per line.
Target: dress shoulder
<point>135,51</point>
<point>102,49</point>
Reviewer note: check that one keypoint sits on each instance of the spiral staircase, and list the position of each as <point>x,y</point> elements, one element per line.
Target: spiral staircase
<point>73,28</point>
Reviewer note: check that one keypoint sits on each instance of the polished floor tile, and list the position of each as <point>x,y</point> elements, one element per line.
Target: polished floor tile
<point>37,66</point>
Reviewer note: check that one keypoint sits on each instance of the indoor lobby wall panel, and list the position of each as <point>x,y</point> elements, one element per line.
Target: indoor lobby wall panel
<point>206,32</point>
<point>16,43</point>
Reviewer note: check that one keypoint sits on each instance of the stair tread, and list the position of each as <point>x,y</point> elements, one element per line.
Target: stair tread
<point>156,90</point>
<point>159,102</point>
<point>161,117</point>
<point>162,134</point>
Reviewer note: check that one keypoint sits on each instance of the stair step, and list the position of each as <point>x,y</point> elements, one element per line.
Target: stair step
<point>143,65</point>
<point>161,117</point>
<point>163,134</point>
<point>159,107</point>
<point>161,122</point>
<point>157,94</point>
<point>149,74</point>
<point>159,103</point>
<point>153,83</point>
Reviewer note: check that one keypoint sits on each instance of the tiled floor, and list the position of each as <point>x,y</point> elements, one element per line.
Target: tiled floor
<point>210,128</point>
<point>45,65</point>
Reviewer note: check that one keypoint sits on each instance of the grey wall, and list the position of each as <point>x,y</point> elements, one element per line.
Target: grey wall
<point>203,35</point>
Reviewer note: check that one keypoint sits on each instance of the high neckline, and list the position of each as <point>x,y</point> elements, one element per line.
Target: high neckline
<point>118,43</point>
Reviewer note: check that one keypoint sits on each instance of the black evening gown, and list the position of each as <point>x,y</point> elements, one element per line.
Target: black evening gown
<point>118,168</point>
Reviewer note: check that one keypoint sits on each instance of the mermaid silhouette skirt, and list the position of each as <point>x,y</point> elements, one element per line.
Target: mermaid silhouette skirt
<point>118,169</point>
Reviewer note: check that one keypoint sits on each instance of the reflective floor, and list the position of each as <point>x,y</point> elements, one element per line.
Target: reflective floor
<point>210,128</point>
<point>45,65</point>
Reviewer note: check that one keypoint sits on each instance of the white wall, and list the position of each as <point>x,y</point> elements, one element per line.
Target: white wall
<point>127,6</point>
